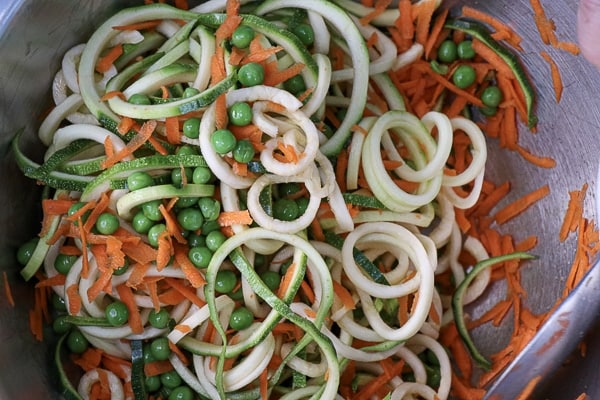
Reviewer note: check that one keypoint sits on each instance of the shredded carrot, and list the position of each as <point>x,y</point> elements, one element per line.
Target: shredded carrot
<point>126,296</point>
<point>228,218</point>
<point>380,7</point>
<point>186,291</point>
<point>424,16</point>
<point>192,273</point>
<point>261,55</point>
<point>138,26</point>
<point>436,30</point>
<point>274,76</point>
<point>555,74</point>
<point>107,60</point>
<point>520,205</point>
<point>154,368</point>
<point>509,35</point>
<point>287,280</point>
<point>8,290</point>
<point>72,293</point>
<point>172,130</point>
<point>264,384</point>
<point>528,390</point>
<point>138,140</point>
<point>544,25</point>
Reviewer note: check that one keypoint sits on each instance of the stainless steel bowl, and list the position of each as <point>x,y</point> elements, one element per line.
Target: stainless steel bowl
<point>35,34</point>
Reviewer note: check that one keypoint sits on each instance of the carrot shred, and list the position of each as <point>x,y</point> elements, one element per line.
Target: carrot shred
<point>436,30</point>
<point>192,273</point>
<point>274,76</point>
<point>112,94</point>
<point>380,7</point>
<point>172,130</point>
<point>555,74</point>
<point>135,320</point>
<point>107,60</point>
<point>72,293</point>
<point>542,162</point>
<point>154,368</point>
<point>424,16</point>
<point>186,291</point>
<point>264,384</point>
<point>8,290</point>
<point>139,26</point>
<point>520,205</point>
<point>138,140</point>
<point>508,33</point>
<point>229,218</point>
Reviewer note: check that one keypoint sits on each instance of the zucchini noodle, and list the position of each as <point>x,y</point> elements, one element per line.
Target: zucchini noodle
<point>297,260</point>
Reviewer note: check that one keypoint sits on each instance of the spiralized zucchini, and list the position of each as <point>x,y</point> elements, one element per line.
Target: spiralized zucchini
<point>355,247</point>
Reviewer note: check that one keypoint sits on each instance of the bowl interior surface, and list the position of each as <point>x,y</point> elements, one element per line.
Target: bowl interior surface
<point>35,34</point>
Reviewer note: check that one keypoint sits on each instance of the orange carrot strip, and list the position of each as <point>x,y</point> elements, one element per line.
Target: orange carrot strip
<point>107,60</point>
<point>72,293</point>
<point>344,295</point>
<point>154,368</point>
<point>555,74</point>
<point>380,7</point>
<point>404,21</point>
<point>528,390</point>
<point>424,16</point>
<point>274,77</point>
<point>8,290</point>
<point>228,218</point>
<point>138,140</point>
<point>138,26</point>
<point>544,25</point>
<point>436,30</point>
<point>542,162</point>
<point>110,95</point>
<point>264,384</point>
<point>192,273</point>
<point>500,27</point>
<point>522,204</point>
<point>172,130</point>
<point>261,55</point>
<point>126,296</point>
<point>186,291</point>
<point>491,57</point>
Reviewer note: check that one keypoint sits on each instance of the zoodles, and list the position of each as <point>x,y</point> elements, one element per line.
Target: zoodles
<point>249,209</point>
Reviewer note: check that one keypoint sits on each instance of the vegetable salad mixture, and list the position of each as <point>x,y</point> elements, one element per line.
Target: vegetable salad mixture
<point>276,199</point>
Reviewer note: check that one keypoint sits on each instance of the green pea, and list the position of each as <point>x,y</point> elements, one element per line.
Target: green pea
<point>241,318</point>
<point>141,223</point>
<point>302,204</point>
<point>191,128</point>
<point>151,210</point>
<point>147,353</point>
<point>295,84</point>
<point>170,379</point>
<point>122,269</point>
<point>465,50</point>
<point>225,281</point>
<point>139,180</point>
<point>107,223</point>
<point>76,342</point>
<point>181,393</point>
<point>64,262</point>
<point>60,325</point>
<point>187,150</point>
<point>223,141</point>
<point>190,218</point>
<point>76,207</point>
<point>305,33</point>
<point>159,319</point>
<point>251,74</point>
<point>58,303</point>
<point>288,189</point>
<point>447,52</point>
<point>272,279</point>
<point>155,232</point>
<point>195,240</point>
<point>488,111</point>
<point>140,99</point>
<point>26,250</point>
<point>200,256</point>
<point>202,175</point>
<point>214,240</point>
<point>285,209</point>
<point>240,113</point>
<point>209,226</point>
<point>117,313</point>
<point>190,92</point>
<point>210,208</point>
<point>242,36</point>
<point>185,202</point>
<point>152,383</point>
<point>464,76</point>
<point>160,349</point>
<point>178,174</point>
<point>491,96</point>
<point>243,152</point>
